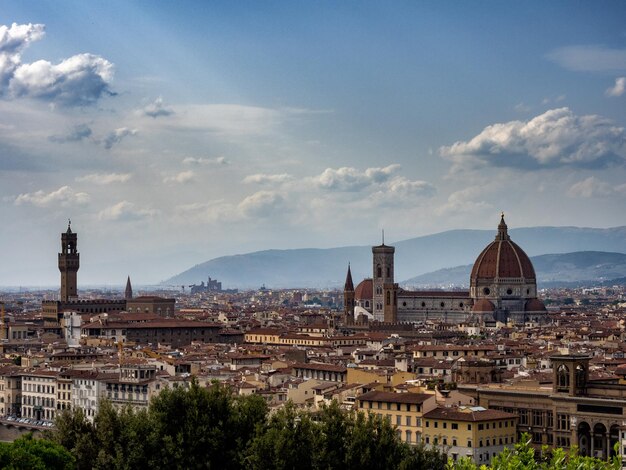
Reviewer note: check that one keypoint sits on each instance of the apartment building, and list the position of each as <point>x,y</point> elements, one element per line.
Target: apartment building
<point>470,431</point>
<point>404,410</point>
<point>39,395</point>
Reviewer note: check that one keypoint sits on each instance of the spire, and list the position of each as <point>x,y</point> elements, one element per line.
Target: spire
<point>502,229</point>
<point>383,236</point>
<point>349,285</point>
<point>69,226</point>
<point>128,293</point>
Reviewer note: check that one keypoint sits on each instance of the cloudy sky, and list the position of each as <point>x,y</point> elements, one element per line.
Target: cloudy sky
<point>175,132</point>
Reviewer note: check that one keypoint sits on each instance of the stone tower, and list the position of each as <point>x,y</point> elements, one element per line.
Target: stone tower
<point>128,293</point>
<point>385,290</point>
<point>69,262</point>
<point>348,299</point>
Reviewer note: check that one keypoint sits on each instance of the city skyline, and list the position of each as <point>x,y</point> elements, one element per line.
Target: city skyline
<point>172,134</point>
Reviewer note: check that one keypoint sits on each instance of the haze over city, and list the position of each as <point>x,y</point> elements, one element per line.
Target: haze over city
<point>172,133</point>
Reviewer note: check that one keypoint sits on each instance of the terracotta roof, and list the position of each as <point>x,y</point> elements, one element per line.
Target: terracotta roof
<point>535,305</point>
<point>365,290</point>
<point>502,258</point>
<point>468,414</point>
<point>395,397</point>
<point>483,305</point>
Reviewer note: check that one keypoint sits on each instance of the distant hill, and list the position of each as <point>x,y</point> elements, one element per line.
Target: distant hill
<point>563,269</point>
<point>310,267</point>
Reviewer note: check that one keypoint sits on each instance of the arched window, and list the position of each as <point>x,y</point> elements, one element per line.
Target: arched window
<point>379,271</point>
<point>562,376</point>
<point>388,298</point>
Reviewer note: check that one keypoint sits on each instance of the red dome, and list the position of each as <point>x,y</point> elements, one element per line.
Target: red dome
<point>483,305</point>
<point>365,290</point>
<point>535,305</point>
<point>502,258</point>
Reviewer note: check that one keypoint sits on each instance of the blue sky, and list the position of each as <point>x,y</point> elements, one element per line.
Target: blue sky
<point>174,132</point>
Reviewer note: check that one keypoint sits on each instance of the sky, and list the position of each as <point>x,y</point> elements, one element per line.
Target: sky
<point>171,133</point>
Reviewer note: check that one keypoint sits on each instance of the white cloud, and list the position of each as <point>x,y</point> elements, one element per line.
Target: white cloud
<point>64,196</point>
<point>156,109</point>
<point>556,138</point>
<point>462,202</point>
<point>182,177</point>
<point>262,204</point>
<point>125,211</point>
<point>205,161</point>
<point>76,81</point>
<point>590,58</point>
<point>593,187</point>
<point>76,134</point>
<point>116,136</point>
<point>105,178</point>
<point>352,179</point>
<point>13,40</point>
<point>617,89</point>
<point>262,178</point>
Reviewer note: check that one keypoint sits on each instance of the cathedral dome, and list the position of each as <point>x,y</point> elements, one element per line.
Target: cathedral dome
<point>502,258</point>
<point>365,290</point>
<point>483,306</point>
<point>534,305</point>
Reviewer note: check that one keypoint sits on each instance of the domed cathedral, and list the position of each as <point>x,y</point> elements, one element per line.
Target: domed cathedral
<point>503,284</point>
<point>503,287</point>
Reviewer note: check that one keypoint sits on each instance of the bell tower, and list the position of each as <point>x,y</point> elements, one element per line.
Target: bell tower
<point>69,262</point>
<point>385,290</point>
<point>348,299</point>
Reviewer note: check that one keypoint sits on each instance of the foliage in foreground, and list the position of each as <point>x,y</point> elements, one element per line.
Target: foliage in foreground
<point>211,428</point>
<point>34,454</point>
<point>523,457</point>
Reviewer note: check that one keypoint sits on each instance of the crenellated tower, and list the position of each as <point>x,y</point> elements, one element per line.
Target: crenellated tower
<point>69,262</point>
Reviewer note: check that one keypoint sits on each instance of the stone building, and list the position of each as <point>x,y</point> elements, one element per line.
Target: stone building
<point>573,411</point>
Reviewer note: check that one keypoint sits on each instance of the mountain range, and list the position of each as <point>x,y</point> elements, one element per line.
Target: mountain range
<point>312,267</point>
<point>552,270</point>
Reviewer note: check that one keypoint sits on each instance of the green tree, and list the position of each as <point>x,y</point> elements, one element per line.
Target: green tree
<point>203,427</point>
<point>286,442</point>
<point>35,454</point>
<point>77,435</point>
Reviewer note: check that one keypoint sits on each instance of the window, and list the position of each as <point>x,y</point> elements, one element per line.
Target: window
<point>455,425</point>
<point>563,422</point>
<point>408,421</point>
<point>398,420</point>
<point>562,376</point>
<point>427,440</point>
<point>469,428</point>
<point>523,416</point>
<point>481,427</point>
<point>454,442</point>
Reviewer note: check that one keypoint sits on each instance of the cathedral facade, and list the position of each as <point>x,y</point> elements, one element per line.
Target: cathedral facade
<point>503,288</point>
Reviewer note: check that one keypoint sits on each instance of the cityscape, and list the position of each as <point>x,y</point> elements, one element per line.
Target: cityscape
<point>296,235</point>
